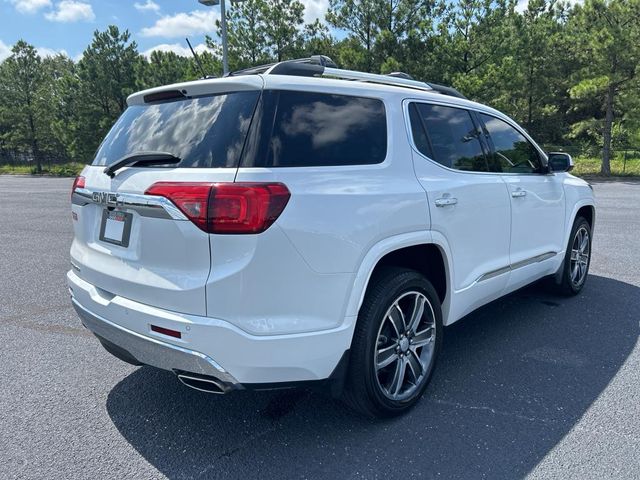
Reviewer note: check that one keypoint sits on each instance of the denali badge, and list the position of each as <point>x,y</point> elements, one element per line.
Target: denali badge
<point>106,198</point>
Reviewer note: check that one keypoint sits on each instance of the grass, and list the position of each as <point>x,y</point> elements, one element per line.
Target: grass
<point>62,170</point>
<point>591,166</point>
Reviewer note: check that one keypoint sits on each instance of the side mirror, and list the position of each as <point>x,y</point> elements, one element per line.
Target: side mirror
<point>560,162</point>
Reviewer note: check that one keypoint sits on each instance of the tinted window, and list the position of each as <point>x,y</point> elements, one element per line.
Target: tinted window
<point>417,129</point>
<point>204,132</point>
<point>319,129</point>
<point>513,152</point>
<point>453,137</point>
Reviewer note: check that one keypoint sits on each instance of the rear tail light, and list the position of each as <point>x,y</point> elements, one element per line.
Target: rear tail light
<point>78,183</point>
<point>227,208</point>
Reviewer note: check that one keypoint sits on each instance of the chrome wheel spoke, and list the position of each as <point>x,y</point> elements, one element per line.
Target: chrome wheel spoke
<point>422,338</point>
<point>397,319</point>
<point>414,365</point>
<point>398,377</point>
<point>584,242</point>
<point>417,314</point>
<point>386,356</point>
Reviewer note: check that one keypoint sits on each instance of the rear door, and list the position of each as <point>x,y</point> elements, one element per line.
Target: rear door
<point>141,246</point>
<point>537,201</point>
<point>469,205</point>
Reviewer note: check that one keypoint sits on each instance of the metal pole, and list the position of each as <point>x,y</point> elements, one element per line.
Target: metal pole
<point>223,20</point>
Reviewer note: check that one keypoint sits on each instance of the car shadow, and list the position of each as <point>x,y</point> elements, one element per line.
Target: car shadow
<point>513,379</point>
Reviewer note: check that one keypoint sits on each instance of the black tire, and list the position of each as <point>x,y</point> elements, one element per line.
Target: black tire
<point>364,391</point>
<point>564,283</point>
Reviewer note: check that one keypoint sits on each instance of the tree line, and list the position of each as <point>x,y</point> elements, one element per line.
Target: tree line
<point>569,74</point>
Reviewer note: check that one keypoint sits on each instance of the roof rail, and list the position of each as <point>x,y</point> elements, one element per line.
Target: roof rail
<point>323,66</point>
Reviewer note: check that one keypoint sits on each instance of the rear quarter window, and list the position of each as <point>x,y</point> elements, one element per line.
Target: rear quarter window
<point>307,129</point>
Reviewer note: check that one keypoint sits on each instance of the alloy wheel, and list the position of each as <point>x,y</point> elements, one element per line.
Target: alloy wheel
<point>580,250</point>
<point>405,345</point>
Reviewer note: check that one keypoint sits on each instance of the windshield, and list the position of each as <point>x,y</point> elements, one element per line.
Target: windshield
<point>203,132</point>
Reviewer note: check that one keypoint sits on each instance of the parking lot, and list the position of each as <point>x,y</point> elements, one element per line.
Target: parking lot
<point>530,385</point>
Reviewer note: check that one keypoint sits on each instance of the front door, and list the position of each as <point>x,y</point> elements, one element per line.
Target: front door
<point>537,202</point>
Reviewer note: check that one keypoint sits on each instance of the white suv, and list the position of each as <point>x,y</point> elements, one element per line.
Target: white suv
<point>299,223</point>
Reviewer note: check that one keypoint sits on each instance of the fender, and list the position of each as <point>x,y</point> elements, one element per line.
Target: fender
<point>388,245</point>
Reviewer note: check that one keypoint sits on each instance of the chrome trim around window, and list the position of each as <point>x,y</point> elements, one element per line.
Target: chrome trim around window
<point>144,205</point>
<point>514,266</point>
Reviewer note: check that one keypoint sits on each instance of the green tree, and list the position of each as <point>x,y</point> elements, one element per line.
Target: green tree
<point>107,74</point>
<point>283,19</point>
<point>246,33</point>
<point>358,18</point>
<point>21,87</point>
<point>162,68</point>
<point>606,42</point>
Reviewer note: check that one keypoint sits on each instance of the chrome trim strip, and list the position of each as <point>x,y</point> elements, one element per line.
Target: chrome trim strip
<point>536,259</point>
<point>493,273</point>
<point>151,351</point>
<point>144,205</point>
<point>523,263</point>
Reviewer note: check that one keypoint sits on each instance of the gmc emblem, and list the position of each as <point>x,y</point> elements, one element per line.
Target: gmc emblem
<point>106,198</point>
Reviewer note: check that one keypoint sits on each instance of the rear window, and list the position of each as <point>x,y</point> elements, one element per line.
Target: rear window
<point>306,129</point>
<point>204,132</point>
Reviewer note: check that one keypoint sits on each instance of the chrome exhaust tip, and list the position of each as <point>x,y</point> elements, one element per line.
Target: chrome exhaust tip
<point>203,384</point>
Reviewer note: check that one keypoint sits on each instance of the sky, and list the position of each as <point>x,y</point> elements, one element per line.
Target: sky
<point>67,26</point>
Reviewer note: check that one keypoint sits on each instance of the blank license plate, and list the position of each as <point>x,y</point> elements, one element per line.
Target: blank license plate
<point>115,227</point>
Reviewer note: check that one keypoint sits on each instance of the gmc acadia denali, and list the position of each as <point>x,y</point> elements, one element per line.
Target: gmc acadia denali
<point>296,222</point>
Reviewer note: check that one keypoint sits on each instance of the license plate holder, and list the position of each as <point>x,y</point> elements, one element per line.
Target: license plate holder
<point>115,227</point>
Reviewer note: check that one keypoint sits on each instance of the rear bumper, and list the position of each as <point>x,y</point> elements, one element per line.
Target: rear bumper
<point>208,346</point>
<point>151,351</point>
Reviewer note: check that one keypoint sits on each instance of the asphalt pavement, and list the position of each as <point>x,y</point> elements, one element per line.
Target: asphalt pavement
<point>532,385</point>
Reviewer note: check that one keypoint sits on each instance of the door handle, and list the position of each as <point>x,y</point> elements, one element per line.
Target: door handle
<point>444,201</point>
<point>519,193</point>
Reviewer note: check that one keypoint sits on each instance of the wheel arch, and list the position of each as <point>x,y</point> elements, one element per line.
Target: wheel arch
<point>585,208</point>
<point>419,251</point>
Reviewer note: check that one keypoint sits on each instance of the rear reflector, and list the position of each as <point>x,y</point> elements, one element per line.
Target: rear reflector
<point>226,208</point>
<point>79,182</point>
<point>166,331</point>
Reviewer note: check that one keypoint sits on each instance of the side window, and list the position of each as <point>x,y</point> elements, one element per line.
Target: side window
<point>513,152</point>
<point>321,129</point>
<point>452,137</point>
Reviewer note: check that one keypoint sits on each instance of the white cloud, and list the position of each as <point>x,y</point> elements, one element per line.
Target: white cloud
<point>30,6</point>
<point>5,50</point>
<point>177,48</point>
<point>50,52</point>
<point>148,6</point>
<point>183,24</point>
<point>68,11</point>
<point>314,9</point>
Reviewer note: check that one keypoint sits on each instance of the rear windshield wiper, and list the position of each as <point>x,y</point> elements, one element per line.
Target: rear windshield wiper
<point>141,158</point>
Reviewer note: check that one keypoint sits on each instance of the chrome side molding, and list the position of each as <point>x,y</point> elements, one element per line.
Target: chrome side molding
<point>514,266</point>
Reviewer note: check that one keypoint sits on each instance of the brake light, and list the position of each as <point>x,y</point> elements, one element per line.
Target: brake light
<point>226,208</point>
<point>79,182</point>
